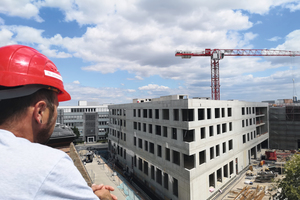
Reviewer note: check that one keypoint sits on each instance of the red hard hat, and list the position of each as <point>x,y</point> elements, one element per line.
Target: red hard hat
<point>22,66</point>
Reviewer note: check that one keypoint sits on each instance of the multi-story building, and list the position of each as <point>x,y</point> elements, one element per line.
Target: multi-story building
<point>184,148</point>
<point>90,119</point>
<point>285,126</point>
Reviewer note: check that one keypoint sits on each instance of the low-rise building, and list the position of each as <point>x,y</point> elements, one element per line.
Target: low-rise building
<point>184,148</point>
<point>91,119</point>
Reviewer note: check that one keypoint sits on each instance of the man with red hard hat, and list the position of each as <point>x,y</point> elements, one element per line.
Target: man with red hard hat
<point>30,89</point>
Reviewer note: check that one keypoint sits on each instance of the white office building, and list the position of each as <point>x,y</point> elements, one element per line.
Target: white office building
<point>90,118</point>
<point>184,148</point>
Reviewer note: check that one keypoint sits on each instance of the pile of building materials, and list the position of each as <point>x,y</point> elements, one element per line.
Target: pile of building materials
<point>283,156</point>
<point>265,176</point>
<point>249,193</point>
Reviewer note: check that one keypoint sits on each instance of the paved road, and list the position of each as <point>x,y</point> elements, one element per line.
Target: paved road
<point>101,174</point>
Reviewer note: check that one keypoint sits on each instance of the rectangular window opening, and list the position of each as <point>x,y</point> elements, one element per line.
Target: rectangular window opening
<point>158,176</point>
<point>176,157</point>
<point>175,187</point>
<point>189,161</point>
<point>156,113</point>
<point>157,130</point>
<point>211,131</point>
<point>217,150</point>
<point>224,127</point>
<point>188,135</point>
<point>187,115</point>
<point>165,113</point>
<point>203,133</point>
<point>217,113</point>
<point>168,155</point>
<point>208,113</point>
<point>224,147</point>
<point>166,181</point>
<point>159,150</point>
<point>201,114</point>
<point>202,157</point>
<point>229,112</point>
<point>165,131</point>
<point>212,155</point>
<point>174,133</point>
<point>176,114</point>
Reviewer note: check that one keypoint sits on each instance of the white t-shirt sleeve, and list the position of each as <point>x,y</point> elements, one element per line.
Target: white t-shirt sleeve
<point>64,181</point>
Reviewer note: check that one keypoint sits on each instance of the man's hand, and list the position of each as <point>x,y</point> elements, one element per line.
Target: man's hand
<point>103,192</point>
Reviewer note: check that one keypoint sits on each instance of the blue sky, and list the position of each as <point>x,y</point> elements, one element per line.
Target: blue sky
<point>111,51</point>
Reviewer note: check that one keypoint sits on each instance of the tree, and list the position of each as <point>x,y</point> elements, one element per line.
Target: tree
<point>290,185</point>
<point>76,131</point>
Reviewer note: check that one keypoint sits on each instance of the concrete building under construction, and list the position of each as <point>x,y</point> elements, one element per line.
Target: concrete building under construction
<point>181,148</point>
<point>284,126</point>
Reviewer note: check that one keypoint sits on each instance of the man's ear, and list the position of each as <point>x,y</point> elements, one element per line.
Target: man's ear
<point>39,111</point>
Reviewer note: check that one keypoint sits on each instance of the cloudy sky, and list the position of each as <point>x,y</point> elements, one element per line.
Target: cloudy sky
<point>111,51</point>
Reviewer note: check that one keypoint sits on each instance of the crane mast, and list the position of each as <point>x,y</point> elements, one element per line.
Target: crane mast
<point>218,54</point>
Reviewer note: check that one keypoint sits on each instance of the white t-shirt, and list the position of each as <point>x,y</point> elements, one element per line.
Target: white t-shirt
<point>34,171</point>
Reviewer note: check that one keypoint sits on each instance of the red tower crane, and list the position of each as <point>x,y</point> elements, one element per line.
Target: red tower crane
<point>218,54</point>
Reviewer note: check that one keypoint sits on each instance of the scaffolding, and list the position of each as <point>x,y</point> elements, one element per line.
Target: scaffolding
<point>284,126</point>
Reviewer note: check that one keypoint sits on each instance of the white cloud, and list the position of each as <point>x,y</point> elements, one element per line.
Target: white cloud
<point>20,8</point>
<point>101,67</point>
<point>76,82</point>
<point>292,41</point>
<point>102,95</point>
<point>99,12</point>
<point>154,87</point>
<point>32,37</point>
<point>6,37</point>
<point>274,39</point>
<point>131,90</point>
<point>293,6</point>
<point>136,78</point>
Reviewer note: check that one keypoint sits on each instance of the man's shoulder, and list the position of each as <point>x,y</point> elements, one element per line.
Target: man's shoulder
<point>24,149</point>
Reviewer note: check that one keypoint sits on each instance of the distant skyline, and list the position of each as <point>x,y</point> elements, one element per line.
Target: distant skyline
<point>110,51</point>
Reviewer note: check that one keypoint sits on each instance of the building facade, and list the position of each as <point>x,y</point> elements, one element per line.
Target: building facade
<point>90,119</point>
<point>184,148</point>
<point>285,126</point>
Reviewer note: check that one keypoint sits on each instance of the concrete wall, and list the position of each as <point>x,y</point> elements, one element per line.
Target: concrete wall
<point>77,162</point>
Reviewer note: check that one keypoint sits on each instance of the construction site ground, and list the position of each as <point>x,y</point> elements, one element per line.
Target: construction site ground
<point>246,188</point>
<point>240,190</point>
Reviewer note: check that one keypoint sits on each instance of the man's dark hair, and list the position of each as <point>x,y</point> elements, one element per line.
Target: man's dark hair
<point>14,109</point>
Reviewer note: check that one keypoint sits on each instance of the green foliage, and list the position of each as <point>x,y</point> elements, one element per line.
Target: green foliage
<point>76,131</point>
<point>290,185</point>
